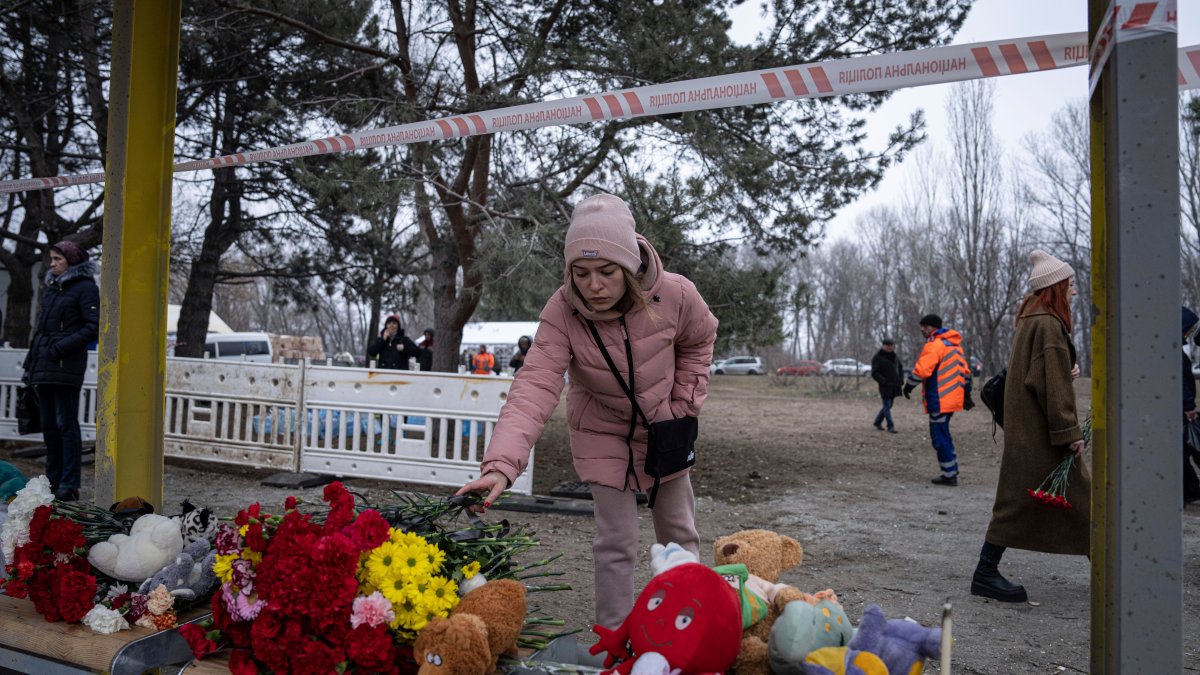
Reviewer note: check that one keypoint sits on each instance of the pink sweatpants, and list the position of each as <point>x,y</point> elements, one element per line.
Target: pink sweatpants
<point>616,549</point>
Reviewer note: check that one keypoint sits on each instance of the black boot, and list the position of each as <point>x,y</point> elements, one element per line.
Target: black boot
<point>989,583</point>
<point>66,495</point>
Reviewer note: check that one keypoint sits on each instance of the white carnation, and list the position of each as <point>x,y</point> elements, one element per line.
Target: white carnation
<point>15,531</point>
<point>104,620</point>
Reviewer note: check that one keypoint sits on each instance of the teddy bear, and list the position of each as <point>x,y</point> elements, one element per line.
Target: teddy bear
<point>153,542</point>
<point>189,576</point>
<point>803,628</point>
<point>881,647</point>
<point>687,614</point>
<point>484,625</point>
<point>766,555</point>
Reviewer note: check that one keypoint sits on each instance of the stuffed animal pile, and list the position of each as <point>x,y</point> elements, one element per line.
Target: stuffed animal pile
<point>687,616</point>
<point>785,631</point>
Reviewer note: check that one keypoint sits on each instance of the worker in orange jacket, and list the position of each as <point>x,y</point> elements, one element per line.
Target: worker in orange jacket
<point>942,367</point>
<point>483,362</point>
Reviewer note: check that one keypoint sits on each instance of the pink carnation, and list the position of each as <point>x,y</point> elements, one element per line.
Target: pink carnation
<point>371,610</point>
<point>244,605</point>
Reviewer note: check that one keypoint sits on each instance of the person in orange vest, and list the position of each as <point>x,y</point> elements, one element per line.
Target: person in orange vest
<point>483,362</point>
<point>942,367</point>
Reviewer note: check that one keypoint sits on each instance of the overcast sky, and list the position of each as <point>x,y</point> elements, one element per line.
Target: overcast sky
<point>1023,103</point>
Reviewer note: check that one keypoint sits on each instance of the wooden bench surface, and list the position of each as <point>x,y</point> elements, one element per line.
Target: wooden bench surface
<point>23,628</point>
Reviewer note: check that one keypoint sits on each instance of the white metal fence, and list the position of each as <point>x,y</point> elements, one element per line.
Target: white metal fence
<point>386,424</point>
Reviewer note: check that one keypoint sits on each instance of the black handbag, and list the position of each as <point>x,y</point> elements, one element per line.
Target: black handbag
<point>29,413</point>
<point>1191,433</point>
<point>670,444</point>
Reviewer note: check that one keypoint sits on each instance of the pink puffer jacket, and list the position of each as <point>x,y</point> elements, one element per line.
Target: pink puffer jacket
<point>672,343</point>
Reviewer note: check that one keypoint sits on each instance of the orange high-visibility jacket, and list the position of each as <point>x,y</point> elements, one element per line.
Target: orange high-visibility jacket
<point>942,367</point>
<point>482,364</point>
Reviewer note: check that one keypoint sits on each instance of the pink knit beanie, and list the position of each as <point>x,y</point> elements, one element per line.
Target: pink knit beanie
<point>602,228</point>
<point>1047,270</point>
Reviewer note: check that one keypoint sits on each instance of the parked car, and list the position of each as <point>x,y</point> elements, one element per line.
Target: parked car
<point>239,346</point>
<point>739,365</point>
<point>800,368</point>
<point>851,367</point>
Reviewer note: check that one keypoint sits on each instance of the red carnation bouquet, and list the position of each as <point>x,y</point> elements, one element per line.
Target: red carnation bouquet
<point>51,570</point>
<point>1052,493</point>
<point>346,590</point>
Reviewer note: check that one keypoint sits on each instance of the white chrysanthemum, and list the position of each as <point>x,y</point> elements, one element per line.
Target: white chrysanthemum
<point>104,620</point>
<point>15,530</point>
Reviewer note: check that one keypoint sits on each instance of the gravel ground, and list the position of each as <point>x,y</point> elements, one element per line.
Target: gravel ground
<point>804,460</point>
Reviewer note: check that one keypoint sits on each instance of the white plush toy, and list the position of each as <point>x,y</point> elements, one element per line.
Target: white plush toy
<point>663,558</point>
<point>152,542</point>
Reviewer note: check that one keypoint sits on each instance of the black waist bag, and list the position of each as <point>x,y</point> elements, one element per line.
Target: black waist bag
<point>670,444</point>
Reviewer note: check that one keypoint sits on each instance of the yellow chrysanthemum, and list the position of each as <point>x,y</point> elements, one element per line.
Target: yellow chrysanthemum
<point>441,594</point>
<point>397,591</point>
<point>383,563</point>
<point>223,567</point>
<point>436,557</point>
<point>413,562</point>
<point>406,538</point>
<point>253,556</point>
<point>470,570</point>
<point>410,612</point>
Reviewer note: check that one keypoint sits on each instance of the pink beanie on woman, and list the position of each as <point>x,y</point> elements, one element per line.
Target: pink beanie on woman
<point>602,229</point>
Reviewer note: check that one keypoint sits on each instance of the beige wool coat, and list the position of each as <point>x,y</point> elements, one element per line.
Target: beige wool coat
<point>1040,422</point>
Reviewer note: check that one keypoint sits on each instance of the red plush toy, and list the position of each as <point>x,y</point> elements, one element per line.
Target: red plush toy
<point>688,614</point>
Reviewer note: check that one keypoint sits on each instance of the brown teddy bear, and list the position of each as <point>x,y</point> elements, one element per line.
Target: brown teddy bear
<point>484,625</point>
<point>766,555</point>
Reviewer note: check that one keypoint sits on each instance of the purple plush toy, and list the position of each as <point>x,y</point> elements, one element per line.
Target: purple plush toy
<point>881,647</point>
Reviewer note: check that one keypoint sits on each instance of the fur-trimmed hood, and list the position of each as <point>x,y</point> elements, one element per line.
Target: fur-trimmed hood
<point>87,268</point>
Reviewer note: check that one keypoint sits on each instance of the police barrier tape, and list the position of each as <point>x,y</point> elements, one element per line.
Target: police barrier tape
<point>1122,23</point>
<point>858,75</point>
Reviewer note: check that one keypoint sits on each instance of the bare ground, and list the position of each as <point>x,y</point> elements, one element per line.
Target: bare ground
<point>806,462</point>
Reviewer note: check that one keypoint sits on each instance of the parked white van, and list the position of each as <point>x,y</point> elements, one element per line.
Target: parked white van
<point>238,346</point>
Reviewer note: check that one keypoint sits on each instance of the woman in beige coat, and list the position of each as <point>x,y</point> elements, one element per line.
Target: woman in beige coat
<point>1042,428</point>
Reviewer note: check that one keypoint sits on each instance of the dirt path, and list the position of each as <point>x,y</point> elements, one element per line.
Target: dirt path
<point>810,465</point>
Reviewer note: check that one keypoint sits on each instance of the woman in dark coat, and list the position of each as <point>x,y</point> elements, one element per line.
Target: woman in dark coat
<point>1043,429</point>
<point>67,324</point>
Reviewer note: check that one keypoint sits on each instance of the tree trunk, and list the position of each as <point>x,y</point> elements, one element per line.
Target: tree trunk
<point>18,314</point>
<point>220,234</point>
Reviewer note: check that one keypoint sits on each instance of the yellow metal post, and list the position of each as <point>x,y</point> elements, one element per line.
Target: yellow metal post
<point>137,226</point>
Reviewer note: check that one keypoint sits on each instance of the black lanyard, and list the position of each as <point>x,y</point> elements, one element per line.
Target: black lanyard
<point>628,389</point>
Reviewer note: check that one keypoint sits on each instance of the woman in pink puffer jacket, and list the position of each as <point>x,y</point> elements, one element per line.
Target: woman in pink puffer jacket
<point>612,273</point>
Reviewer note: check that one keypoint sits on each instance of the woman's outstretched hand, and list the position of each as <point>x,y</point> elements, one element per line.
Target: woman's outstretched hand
<point>491,483</point>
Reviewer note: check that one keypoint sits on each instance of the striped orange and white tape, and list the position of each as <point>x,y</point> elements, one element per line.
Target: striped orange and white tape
<point>862,74</point>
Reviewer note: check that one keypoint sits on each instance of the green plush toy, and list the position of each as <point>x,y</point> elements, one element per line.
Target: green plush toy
<point>11,481</point>
<point>803,628</point>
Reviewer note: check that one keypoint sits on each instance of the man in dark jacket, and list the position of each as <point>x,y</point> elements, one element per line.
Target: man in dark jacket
<point>889,373</point>
<point>393,348</point>
<point>68,322</point>
<point>1191,482</point>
